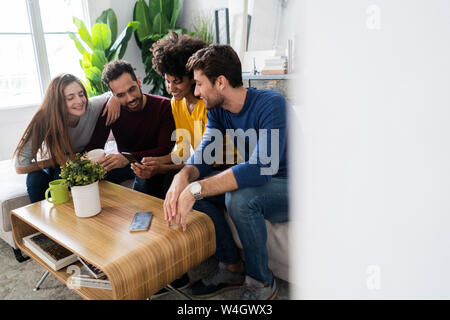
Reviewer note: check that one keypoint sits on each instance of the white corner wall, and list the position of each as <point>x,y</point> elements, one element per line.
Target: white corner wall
<point>371,154</point>
<point>190,8</point>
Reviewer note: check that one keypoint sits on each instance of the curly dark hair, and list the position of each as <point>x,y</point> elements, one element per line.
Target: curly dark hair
<point>114,69</point>
<point>171,54</point>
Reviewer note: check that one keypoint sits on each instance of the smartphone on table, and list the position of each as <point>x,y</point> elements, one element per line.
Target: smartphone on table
<point>141,221</point>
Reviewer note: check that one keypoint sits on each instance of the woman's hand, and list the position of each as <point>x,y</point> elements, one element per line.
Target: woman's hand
<point>145,171</point>
<point>154,161</point>
<point>112,110</point>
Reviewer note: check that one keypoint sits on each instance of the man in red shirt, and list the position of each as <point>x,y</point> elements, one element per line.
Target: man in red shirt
<point>144,129</point>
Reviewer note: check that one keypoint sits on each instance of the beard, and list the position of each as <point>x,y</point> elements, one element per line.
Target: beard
<point>140,101</point>
<point>212,103</point>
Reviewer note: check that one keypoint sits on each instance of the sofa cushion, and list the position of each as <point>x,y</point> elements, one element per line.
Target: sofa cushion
<point>277,245</point>
<point>13,192</point>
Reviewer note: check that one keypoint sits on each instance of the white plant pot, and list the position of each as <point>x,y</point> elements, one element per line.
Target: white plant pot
<point>86,200</point>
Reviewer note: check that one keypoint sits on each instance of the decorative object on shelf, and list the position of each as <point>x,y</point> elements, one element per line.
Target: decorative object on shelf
<point>255,70</point>
<point>103,45</point>
<point>82,175</point>
<point>222,25</point>
<point>53,254</point>
<point>156,19</point>
<point>275,65</point>
<point>203,27</point>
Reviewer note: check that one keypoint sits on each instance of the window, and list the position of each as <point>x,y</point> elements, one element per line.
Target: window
<point>36,46</point>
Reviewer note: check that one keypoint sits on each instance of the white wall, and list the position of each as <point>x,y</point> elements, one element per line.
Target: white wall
<point>263,25</point>
<point>12,125</point>
<point>190,8</point>
<point>271,24</point>
<point>372,154</point>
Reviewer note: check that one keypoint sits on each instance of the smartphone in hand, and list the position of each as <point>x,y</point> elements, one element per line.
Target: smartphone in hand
<point>129,157</point>
<point>141,221</point>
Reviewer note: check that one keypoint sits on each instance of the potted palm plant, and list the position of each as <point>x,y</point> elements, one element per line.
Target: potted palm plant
<point>100,46</point>
<point>82,176</point>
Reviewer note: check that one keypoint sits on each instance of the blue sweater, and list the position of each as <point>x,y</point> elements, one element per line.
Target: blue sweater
<point>261,142</point>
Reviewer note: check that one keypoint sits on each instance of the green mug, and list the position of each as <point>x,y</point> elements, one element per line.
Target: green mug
<point>59,191</point>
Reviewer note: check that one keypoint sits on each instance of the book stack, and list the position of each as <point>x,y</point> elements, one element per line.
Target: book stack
<point>275,65</point>
<point>54,255</point>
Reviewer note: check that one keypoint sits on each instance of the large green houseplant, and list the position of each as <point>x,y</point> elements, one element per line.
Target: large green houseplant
<point>156,18</point>
<point>100,46</point>
<point>82,175</point>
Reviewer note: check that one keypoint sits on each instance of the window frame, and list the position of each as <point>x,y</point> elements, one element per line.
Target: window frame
<point>39,45</point>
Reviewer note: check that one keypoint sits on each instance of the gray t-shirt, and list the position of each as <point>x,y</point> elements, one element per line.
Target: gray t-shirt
<point>79,136</point>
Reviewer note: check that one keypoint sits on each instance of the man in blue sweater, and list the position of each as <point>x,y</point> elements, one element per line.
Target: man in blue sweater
<point>256,188</point>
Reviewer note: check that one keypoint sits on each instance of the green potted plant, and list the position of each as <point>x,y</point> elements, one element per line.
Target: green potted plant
<point>82,175</point>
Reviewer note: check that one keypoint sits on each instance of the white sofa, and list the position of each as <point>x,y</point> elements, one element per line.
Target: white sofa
<point>277,246</point>
<point>13,194</point>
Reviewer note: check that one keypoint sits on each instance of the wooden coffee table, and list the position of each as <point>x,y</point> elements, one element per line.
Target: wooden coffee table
<point>136,264</point>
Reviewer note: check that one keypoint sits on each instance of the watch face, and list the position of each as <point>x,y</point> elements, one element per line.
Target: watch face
<point>196,188</point>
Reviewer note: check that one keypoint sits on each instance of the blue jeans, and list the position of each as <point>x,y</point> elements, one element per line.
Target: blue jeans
<point>156,186</point>
<point>226,249</point>
<point>120,175</point>
<point>248,208</point>
<point>37,182</point>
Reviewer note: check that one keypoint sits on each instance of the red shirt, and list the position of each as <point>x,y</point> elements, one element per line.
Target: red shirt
<point>146,133</point>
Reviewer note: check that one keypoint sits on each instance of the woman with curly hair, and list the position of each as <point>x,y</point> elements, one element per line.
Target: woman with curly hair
<point>170,56</point>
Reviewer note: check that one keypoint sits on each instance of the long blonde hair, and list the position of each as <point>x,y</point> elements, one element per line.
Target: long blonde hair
<point>49,125</point>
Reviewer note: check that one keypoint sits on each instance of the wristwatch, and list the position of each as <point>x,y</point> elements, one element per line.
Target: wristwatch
<point>196,189</point>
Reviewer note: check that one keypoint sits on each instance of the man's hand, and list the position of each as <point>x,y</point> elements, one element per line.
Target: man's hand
<point>184,206</point>
<point>179,183</point>
<point>112,109</point>
<point>113,161</point>
<point>145,171</point>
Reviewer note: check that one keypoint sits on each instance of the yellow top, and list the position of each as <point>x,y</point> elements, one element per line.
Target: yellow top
<point>190,128</point>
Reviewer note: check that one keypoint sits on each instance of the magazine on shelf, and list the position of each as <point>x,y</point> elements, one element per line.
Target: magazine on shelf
<point>84,280</point>
<point>91,269</point>
<point>53,254</point>
<point>89,276</point>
